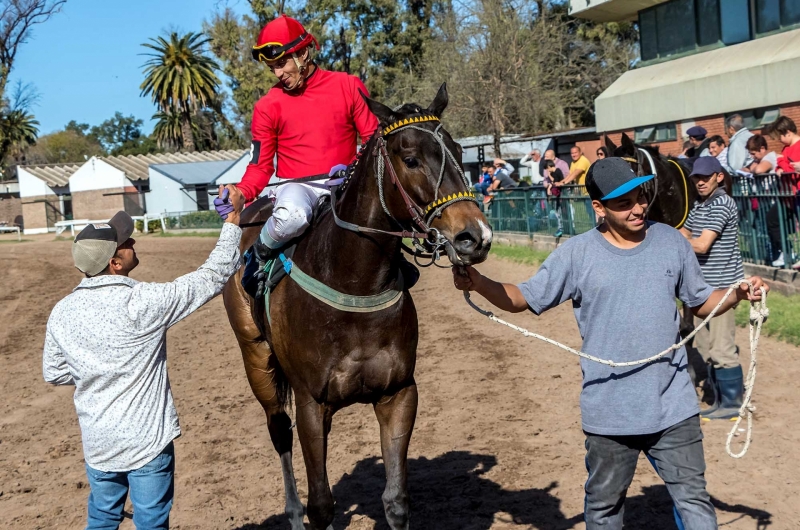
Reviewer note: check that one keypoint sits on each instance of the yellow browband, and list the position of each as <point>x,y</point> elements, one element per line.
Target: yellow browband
<point>408,121</point>
<point>449,198</point>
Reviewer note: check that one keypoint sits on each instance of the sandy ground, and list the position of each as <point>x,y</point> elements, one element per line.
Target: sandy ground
<point>497,443</point>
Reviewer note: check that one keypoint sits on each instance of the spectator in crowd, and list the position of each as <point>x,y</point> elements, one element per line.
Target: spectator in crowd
<point>697,136</point>
<point>737,149</point>
<point>501,178</point>
<point>578,170</point>
<point>560,164</point>
<point>764,161</point>
<point>532,160</point>
<point>503,167</point>
<point>712,229</point>
<point>602,153</point>
<point>487,172</point>
<point>554,175</point>
<point>785,130</point>
<point>686,146</point>
<point>108,339</point>
<point>716,148</point>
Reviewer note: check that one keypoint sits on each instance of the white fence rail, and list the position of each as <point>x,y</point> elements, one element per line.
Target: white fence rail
<point>12,229</point>
<point>80,224</point>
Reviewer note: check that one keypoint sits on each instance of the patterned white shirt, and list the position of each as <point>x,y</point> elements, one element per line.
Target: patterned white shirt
<point>108,338</point>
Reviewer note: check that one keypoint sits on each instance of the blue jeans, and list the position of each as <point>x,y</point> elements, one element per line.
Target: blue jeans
<point>152,487</point>
<point>483,187</point>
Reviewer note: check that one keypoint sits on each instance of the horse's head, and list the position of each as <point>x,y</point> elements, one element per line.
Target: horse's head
<point>428,166</point>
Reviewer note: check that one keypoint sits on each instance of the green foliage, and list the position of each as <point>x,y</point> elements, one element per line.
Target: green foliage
<point>63,147</point>
<point>120,135</point>
<point>152,226</point>
<point>782,323</point>
<point>520,254</point>
<point>210,233</point>
<point>193,220</point>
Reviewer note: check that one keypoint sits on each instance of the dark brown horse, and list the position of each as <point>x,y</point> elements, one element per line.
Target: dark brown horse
<point>332,358</point>
<point>671,194</point>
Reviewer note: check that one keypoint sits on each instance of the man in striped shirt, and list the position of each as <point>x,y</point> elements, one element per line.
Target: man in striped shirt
<point>713,231</point>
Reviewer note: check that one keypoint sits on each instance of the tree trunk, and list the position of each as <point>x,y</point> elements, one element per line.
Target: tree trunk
<point>186,132</point>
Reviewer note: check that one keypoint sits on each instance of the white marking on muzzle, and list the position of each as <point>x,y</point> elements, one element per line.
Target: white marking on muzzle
<point>486,233</point>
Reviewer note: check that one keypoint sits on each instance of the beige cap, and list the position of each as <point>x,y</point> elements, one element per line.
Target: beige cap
<point>97,243</point>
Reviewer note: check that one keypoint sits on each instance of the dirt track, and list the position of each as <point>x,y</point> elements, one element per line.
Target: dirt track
<point>497,442</point>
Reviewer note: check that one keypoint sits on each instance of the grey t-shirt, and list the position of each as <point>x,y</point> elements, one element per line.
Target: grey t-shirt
<point>624,302</point>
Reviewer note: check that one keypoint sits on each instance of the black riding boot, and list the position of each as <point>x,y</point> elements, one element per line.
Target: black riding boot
<point>255,259</point>
<point>730,393</point>
<point>710,389</point>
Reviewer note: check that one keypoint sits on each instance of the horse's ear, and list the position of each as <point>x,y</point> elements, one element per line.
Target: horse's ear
<point>439,102</point>
<point>384,114</point>
<point>611,146</point>
<point>628,144</point>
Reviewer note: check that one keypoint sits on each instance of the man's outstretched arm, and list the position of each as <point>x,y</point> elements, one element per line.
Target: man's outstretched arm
<point>505,296</point>
<point>742,293</point>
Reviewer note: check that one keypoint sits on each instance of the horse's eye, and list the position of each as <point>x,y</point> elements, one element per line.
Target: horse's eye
<point>411,162</point>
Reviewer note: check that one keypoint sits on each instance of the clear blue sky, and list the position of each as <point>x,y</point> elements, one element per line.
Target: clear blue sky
<point>85,61</point>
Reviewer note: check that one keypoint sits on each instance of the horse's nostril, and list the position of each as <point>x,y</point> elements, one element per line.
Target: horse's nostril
<point>466,241</point>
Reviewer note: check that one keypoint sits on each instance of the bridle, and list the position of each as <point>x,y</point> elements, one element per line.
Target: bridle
<point>428,241</point>
<point>640,172</point>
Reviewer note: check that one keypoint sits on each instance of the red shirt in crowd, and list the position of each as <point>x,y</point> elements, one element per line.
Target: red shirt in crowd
<point>790,153</point>
<point>311,129</point>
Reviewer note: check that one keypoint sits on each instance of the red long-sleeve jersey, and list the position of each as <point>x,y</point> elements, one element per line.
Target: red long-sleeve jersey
<point>311,129</point>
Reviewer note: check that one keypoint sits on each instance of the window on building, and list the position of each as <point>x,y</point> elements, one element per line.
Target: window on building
<point>768,15</point>
<point>757,118</point>
<point>681,26</point>
<point>734,20</point>
<point>651,134</point>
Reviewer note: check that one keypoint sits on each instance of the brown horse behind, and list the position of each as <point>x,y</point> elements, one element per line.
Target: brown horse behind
<point>332,358</point>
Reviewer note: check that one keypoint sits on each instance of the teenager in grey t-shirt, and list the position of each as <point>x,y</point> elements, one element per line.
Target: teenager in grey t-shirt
<point>624,302</point>
<point>623,278</point>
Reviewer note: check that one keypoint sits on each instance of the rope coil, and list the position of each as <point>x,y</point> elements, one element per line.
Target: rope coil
<point>758,315</point>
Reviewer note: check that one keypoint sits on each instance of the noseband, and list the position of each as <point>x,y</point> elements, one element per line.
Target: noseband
<point>421,217</point>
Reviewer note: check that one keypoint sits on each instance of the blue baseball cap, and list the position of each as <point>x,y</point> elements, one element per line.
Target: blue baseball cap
<point>705,166</point>
<point>612,177</point>
<point>696,132</point>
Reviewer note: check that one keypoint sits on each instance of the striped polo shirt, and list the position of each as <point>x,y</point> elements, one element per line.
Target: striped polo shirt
<point>722,265</point>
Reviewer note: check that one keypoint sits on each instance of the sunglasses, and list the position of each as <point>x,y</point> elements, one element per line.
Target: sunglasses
<point>272,51</point>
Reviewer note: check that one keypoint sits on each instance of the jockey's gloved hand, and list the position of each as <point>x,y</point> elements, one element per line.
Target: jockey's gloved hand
<point>223,205</point>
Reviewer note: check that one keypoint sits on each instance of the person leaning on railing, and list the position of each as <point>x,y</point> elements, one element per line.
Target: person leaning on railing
<point>785,130</point>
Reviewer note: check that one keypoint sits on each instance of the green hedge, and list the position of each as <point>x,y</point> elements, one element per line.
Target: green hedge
<point>204,219</point>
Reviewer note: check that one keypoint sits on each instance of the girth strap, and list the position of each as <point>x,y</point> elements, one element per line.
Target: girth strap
<point>341,301</point>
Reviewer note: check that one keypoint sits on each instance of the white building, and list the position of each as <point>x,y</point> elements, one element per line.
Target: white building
<point>45,195</point>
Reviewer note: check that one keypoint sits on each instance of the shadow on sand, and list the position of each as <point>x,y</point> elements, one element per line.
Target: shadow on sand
<point>450,492</point>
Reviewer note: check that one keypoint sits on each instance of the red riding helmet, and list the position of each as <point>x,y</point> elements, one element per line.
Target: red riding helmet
<point>281,36</point>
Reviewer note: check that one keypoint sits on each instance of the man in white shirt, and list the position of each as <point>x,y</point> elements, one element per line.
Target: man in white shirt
<point>737,146</point>
<point>108,339</point>
<point>532,160</point>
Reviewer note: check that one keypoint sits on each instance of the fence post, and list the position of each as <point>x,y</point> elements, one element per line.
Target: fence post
<point>527,215</point>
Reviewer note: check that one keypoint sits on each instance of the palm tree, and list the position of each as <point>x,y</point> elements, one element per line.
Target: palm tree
<point>18,129</point>
<point>180,78</point>
<point>167,130</point>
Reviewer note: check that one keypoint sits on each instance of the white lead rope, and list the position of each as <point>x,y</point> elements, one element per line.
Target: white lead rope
<point>758,314</point>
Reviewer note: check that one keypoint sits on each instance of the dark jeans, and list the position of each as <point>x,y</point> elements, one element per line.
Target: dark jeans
<point>677,455</point>
<point>774,228</point>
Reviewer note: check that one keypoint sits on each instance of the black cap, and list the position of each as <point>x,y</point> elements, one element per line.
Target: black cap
<point>611,177</point>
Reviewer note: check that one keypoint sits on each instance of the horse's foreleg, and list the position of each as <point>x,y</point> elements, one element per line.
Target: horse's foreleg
<point>396,415</point>
<point>313,426</point>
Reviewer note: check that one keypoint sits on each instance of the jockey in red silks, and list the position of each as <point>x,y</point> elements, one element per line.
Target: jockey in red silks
<point>310,121</point>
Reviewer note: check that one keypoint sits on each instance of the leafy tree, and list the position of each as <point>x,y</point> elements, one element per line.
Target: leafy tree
<point>63,147</point>
<point>167,131</point>
<point>120,135</point>
<point>180,78</point>
<point>18,127</point>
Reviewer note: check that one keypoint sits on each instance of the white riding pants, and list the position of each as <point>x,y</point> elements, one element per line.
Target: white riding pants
<point>291,215</point>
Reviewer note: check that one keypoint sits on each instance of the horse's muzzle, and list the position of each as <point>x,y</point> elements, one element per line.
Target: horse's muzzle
<point>471,245</point>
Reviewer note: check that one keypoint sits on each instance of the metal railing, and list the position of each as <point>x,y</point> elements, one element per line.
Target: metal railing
<point>769,209</point>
